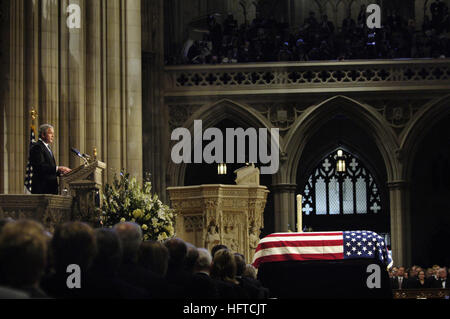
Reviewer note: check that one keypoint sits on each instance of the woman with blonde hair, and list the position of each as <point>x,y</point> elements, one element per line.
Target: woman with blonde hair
<point>223,271</point>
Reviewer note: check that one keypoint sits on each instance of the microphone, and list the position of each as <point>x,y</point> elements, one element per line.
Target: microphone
<point>77,153</point>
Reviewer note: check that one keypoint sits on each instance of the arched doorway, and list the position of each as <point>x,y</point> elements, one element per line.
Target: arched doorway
<point>430,193</point>
<point>354,199</point>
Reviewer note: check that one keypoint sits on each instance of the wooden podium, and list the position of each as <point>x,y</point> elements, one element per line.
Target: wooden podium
<point>84,184</point>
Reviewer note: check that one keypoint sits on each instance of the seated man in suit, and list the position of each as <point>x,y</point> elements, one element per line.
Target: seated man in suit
<point>399,281</point>
<point>45,171</point>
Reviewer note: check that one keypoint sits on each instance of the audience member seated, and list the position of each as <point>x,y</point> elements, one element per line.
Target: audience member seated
<point>23,256</point>
<point>191,258</point>
<point>420,282</point>
<point>73,243</point>
<point>250,271</point>
<point>154,256</point>
<point>216,248</point>
<point>130,235</point>
<point>399,281</point>
<point>252,287</point>
<point>105,269</point>
<point>202,286</point>
<point>442,281</point>
<point>176,271</point>
<point>224,270</point>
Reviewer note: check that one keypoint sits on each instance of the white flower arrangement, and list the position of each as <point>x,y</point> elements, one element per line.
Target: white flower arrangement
<point>125,200</point>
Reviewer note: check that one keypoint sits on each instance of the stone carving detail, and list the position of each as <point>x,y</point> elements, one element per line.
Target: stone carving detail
<point>212,235</point>
<point>226,212</point>
<point>253,235</point>
<point>50,210</point>
<point>180,113</point>
<point>193,223</point>
<point>398,113</point>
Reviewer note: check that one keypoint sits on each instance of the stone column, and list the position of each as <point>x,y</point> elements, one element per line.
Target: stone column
<point>14,138</point>
<point>113,140</point>
<point>5,34</point>
<point>155,134</point>
<point>400,222</point>
<point>76,84</point>
<point>284,206</point>
<point>93,88</point>
<point>49,68</point>
<point>132,87</point>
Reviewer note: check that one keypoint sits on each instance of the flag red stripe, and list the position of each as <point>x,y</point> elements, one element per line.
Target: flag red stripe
<point>297,257</point>
<point>300,243</point>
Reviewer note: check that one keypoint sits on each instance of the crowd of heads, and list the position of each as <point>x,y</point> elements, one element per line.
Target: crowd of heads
<point>266,40</point>
<point>116,263</point>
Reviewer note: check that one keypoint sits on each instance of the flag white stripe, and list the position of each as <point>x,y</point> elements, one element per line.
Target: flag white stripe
<point>299,250</point>
<point>301,238</point>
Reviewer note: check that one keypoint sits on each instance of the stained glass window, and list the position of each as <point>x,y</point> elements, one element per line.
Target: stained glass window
<point>328,192</point>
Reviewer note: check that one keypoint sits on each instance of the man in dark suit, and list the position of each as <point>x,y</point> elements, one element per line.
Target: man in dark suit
<point>45,171</point>
<point>131,272</point>
<point>442,280</point>
<point>202,285</point>
<point>399,281</point>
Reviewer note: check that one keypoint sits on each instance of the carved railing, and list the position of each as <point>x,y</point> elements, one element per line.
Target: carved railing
<point>282,76</point>
<point>433,293</point>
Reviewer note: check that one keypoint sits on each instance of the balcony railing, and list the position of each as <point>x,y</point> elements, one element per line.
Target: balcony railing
<point>287,77</point>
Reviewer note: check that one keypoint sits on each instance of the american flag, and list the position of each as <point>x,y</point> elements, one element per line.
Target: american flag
<point>322,246</point>
<point>29,168</point>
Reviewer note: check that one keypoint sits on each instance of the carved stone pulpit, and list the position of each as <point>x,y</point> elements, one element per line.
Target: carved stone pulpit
<point>232,215</point>
<point>84,184</point>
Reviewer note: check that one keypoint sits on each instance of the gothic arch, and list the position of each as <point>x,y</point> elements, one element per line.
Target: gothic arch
<point>211,114</point>
<point>311,121</point>
<point>428,116</point>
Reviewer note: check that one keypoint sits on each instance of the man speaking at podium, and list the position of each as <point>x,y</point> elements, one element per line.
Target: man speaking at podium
<point>45,171</point>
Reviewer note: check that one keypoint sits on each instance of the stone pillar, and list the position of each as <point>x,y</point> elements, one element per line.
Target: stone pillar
<point>113,139</point>
<point>5,34</point>
<point>132,88</point>
<point>76,84</point>
<point>49,68</point>
<point>284,206</point>
<point>400,222</point>
<point>94,76</point>
<point>155,133</point>
<point>14,154</point>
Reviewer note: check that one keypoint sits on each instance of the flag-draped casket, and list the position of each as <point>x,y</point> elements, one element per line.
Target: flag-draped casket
<point>324,264</point>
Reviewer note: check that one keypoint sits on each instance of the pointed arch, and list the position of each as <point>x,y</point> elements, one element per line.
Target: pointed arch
<point>426,118</point>
<point>312,121</point>
<point>212,114</point>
